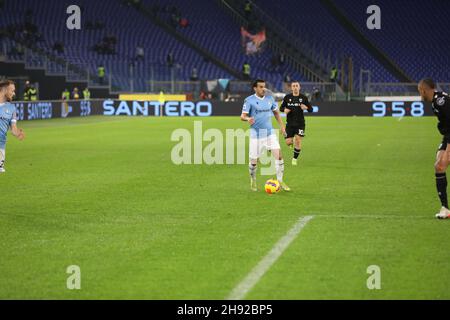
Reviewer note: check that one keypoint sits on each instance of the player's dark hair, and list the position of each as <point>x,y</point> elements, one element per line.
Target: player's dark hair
<point>255,83</point>
<point>428,82</point>
<point>295,81</point>
<point>5,83</point>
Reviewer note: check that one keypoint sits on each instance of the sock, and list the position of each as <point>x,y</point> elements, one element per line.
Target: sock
<point>441,186</point>
<point>296,153</point>
<point>252,170</point>
<point>2,157</point>
<point>279,167</point>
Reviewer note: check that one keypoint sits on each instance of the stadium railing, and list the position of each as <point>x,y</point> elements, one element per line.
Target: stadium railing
<point>325,91</point>
<point>390,89</point>
<point>444,86</point>
<point>40,60</point>
<point>304,69</point>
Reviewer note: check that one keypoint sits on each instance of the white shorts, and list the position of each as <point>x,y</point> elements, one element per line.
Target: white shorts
<point>259,145</point>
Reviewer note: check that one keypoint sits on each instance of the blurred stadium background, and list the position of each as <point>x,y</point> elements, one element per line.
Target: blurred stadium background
<point>174,46</point>
<point>104,193</point>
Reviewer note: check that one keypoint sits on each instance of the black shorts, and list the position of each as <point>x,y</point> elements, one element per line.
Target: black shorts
<point>291,131</point>
<point>443,144</point>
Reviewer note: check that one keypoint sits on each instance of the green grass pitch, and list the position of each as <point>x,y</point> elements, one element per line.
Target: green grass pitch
<point>103,194</point>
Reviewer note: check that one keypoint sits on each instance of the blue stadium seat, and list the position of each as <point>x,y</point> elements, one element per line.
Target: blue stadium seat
<point>409,36</point>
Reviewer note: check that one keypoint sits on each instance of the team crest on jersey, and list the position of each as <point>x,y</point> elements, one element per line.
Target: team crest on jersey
<point>440,101</point>
<point>7,111</point>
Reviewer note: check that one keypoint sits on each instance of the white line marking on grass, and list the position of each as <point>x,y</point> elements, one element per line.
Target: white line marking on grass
<point>241,290</point>
<point>356,216</point>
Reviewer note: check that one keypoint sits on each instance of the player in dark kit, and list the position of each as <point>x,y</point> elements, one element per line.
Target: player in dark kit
<point>440,102</point>
<point>294,104</point>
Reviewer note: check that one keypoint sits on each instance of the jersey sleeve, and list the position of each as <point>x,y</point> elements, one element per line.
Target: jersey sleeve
<point>444,109</point>
<point>246,108</point>
<point>444,106</point>
<point>274,105</point>
<point>13,118</point>
<point>308,104</point>
<point>283,105</point>
<point>447,104</point>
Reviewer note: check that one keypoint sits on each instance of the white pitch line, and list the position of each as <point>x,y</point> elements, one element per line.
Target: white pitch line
<point>241,290</point>
<point>376,217</point>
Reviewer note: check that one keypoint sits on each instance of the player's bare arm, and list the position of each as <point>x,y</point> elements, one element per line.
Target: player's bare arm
<point>280,121</point>
<point>17,132</point>
<point>245,117</point>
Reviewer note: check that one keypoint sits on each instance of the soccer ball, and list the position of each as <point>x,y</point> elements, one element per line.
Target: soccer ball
<point>272,186</point>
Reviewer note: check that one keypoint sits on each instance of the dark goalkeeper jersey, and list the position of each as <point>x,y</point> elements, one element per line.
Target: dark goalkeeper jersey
<point>441,108</point>
<point>296,116</point>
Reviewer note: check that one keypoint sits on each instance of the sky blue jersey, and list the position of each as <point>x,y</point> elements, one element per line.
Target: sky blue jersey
<point>7,118</point>
<point>261,109</point>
